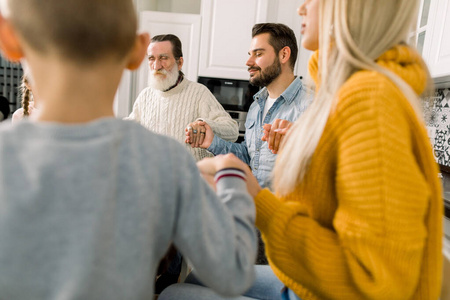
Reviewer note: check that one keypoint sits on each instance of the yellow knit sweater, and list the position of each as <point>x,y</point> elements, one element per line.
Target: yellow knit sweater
<point>366,221</point>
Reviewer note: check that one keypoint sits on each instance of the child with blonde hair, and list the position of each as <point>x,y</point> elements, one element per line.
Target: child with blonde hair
<point>28,102</point>
<point>104,197</point>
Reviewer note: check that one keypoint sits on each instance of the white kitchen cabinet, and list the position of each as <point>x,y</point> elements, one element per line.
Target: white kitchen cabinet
<point>438,57</point>
<point>226,36</point>
<point>421,36</point>
<point>432,38</point>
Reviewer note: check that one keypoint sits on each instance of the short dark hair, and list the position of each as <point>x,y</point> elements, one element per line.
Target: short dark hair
<point>280,36</point>
<point>174,40</point>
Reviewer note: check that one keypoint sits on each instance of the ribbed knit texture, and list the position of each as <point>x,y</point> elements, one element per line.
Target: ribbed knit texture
<point>169,113</point>
<point>366,222</point>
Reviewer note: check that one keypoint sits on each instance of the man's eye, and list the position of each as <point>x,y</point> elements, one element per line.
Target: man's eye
<point>151,58</point>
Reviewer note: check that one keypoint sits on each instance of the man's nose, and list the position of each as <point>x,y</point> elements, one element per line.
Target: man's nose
<point>250,62</point>
<point>156,65</point>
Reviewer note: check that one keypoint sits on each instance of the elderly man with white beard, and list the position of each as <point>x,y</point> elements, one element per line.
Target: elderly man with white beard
<point>172,104</point>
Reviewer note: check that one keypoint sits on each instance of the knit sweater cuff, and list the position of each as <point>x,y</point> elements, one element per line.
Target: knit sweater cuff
<point>229,172</point>
<point>266,205</point>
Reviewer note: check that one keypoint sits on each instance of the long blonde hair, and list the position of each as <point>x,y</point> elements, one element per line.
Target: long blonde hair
<point>352,34</point>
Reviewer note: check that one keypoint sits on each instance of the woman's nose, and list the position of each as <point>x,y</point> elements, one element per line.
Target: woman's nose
<point>301,10</point>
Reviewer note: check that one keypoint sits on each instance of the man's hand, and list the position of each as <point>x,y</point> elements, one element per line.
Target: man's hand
<point>275,132</point>
<point>199,134</point>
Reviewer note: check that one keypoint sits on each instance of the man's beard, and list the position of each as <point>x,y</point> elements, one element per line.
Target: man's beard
<point>267,76</point>
<point>161,83</point>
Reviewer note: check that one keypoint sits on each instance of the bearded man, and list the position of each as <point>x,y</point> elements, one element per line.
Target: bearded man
<point>273,52</point>
<point>171,103</point>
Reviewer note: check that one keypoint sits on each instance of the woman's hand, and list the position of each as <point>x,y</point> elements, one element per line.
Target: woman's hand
<point>274,133</point>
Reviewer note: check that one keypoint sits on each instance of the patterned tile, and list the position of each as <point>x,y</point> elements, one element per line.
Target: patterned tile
<point>438,124</point>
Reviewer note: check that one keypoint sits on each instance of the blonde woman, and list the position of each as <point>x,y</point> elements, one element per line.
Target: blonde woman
<point>357,211</point>
<point>357,208</point>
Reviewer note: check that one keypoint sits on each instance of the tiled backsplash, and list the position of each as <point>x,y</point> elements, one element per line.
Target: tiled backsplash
<point>439,125</point>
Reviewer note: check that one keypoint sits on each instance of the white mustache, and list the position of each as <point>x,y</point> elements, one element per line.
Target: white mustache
<point>159,72</point>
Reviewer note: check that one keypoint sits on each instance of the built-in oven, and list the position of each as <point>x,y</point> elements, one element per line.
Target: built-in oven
<point>235,96</point>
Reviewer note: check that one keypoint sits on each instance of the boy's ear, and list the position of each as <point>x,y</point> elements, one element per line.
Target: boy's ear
<point>139,51</point>
<point>9,42</point>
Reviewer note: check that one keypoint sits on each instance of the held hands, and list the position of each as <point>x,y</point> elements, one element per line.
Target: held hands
<point>210,166</point>
<point>274,133</point>
<point>199,134</point>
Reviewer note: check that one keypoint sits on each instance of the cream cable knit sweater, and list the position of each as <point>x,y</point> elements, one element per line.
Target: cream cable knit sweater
<point>169,113</point>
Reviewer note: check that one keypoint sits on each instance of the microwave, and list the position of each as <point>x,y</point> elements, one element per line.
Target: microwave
<point>234,95</point>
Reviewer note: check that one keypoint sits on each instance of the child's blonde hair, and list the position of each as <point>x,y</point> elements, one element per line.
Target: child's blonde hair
<point>83,31</point>
<point>352,35</point>
<point>25,95</point>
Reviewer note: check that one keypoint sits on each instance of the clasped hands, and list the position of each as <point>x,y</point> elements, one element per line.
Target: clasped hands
<point>211,165</point>
<point>274,133</point>
<point>198,134</point>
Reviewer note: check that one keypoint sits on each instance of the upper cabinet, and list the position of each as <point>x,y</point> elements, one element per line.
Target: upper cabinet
<point>422,32</point>
<point>438,58</point>
<point>432,38</point>
<point>226,36</point>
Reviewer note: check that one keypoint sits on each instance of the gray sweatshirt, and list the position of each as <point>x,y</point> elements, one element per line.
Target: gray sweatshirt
<point>87,211</point>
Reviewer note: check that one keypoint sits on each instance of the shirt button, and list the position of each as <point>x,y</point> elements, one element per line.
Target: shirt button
<point>257,149</point>
<point>256,168</point>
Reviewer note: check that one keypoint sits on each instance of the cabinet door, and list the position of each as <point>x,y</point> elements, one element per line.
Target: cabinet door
<point>421,36</point>
<point>439,56</point>
<point>226,36</point>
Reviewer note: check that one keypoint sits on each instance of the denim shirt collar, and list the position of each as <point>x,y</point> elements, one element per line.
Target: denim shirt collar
<point>288,95</point>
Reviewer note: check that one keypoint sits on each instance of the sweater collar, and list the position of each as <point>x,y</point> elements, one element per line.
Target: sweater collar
<point>401,60</point>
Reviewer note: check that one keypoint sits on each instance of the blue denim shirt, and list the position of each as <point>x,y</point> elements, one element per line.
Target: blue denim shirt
<point>289,106</point>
